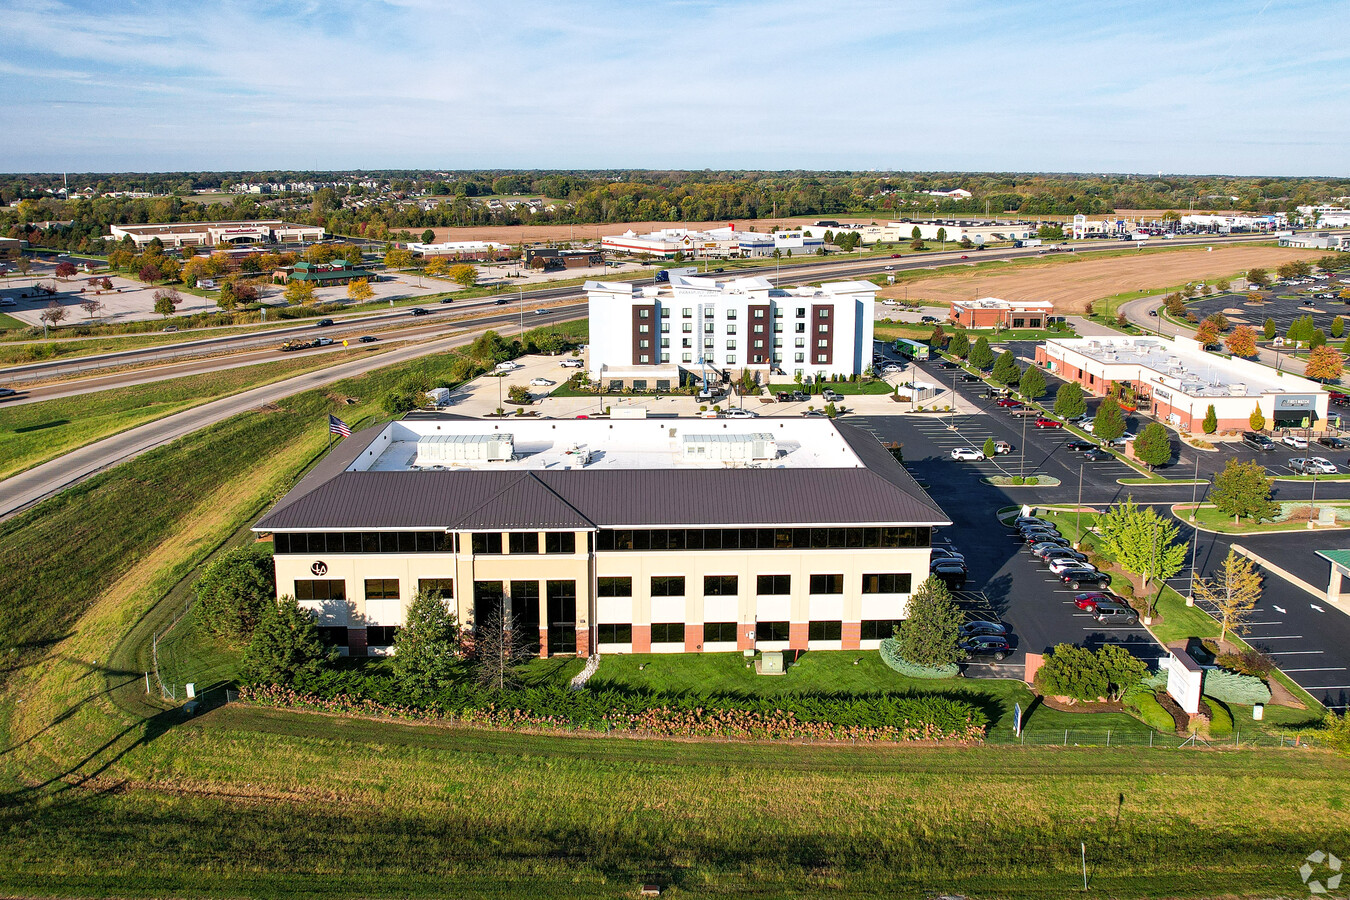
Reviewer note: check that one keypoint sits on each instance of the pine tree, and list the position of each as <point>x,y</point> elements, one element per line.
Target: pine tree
<point>285,648</point>
<point>1270,329</point>
<point>1211,423</point>
<point>932,622</point>
<point>990,451</point>
<point>981,357</point>
<point>426,648</point>
<point>960,345</point>
<point>1006,370</point>
<point>1032,385</point>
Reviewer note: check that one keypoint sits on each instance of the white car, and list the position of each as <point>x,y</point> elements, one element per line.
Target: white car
<point>1067,562</point>
<point>967,453</point>
<point>1088,425</point>
<point>572,364</point>
<point>736,413</point>
<point>1293,440</point>
<point>1314,465</point>
<point>892,369</point>
<point>508,366</point>
<point>540,382</point>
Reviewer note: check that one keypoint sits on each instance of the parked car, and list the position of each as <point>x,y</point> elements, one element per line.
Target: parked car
<point>1295,441</point>
<point>1081,577</point>
<point>1077,445</point>
<point>1043,422</point>
<point>1115,615</point>
<point>1088,425</point>
<point>1062,564</point>
<point>986,646</point>
<point>541,382</point>
<point>830,396</point>
<point>1043,537</point>
<point>508,366</point>
<point>1257,440</point>
<point>1088,602</point>
<point>928,320</point>
<point>1095,455</point>
<point>736,413</point>
<point>941,553</point>
<point>967,453</point>
<point>572,364</point>
<point>1045,549</point>
<point>1065,553</point>
<point>979,626</point>
<point>1334,443</point>
<point>968,378</point>
<point>1313,465</point>
<point>1009,403</point>
<point>1002,448</point>
<point>953,574</point>
<point>1038,526</point>
<point>1020,521</point>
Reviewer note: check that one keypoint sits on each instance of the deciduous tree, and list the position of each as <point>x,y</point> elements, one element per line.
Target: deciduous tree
<point>981,357</point>
<point>1153,446</point>
<point>932,622</point>
<point>1324,364</point>
<point>359,289</point>
<point>398,259</point>
<point>1070,403</point>
<point>53,314</point>
<point>499,646</point>
<point>299,292</point>
<point>91,306</point>
<point>464,274</point>
<point>428,236</point>
<point>1006,370</point>
<point>65,270</point>
<point>1141,542</point>
<point>1109,423</point>
<point>234,591</point>
<point>1338,327</point>
<point>1242,490</point>
<point>166,301</point>
<point>1234,593</point>
<point>1269,329</point>
<point>1032,384</point>
<point>1242,342</point>
<point>1258,277</point>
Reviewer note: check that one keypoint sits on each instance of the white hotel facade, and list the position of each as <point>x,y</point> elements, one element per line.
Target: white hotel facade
<point>649,333</point>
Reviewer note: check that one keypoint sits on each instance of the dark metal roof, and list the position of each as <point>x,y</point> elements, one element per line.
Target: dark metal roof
<point>881,493</point>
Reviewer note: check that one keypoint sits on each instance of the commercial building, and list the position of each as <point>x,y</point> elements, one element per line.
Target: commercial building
<point>991,312</point>
<point>952,230</point>
<point>211,234</point>
<point>480,250</point>
<point>656,535</point>
<point>1178,382</point>
<point>1325,216</point>
<point>321,274</point>
<point>1315,240</point>
<point>720,243</point>
<point>549,259</point>
<point>703,326</point>
<point>1223,223</point>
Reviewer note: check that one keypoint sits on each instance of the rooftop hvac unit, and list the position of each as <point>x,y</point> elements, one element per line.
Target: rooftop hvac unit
<point>729,447</point>
<point>1237,389</point>
<point>448,449</point>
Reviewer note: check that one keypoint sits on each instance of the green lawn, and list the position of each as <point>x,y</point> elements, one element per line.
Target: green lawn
<point>847,388</point>
<point>36,432</point>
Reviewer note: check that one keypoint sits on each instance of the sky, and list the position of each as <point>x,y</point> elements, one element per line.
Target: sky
<point>1189,86</point>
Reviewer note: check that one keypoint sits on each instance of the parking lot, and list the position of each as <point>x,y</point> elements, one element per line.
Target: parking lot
<point>1282,304</point>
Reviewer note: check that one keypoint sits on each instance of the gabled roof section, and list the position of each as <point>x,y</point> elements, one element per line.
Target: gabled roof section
<point>334,464</point>
<point>883,465</point>
<point>526,501</point>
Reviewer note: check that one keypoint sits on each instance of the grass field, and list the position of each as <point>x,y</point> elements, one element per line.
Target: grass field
<point>1071,281</point>
<point>36,432</point>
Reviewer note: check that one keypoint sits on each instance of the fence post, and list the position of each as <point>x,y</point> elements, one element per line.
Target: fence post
<point>1108,737</point>
<point>1150,739</point>
<point>1066,737</point>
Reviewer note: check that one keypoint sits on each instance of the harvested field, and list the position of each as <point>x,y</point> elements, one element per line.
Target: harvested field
<point>1071,282</point>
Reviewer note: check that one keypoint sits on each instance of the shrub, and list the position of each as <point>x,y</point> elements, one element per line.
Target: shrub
<point>1234,687</point>
<point>1248,661</point>
<point>1033,479</point>
<point>1220,718</point>
<point>234,590</point>
<point>1152,714</point>
<point>1336,731</point>
<point>1018,479</point>
<point>890,655</point>
<point>1077,672</point>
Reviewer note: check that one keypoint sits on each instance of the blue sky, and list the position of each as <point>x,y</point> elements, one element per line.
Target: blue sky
<point>1185,87</point>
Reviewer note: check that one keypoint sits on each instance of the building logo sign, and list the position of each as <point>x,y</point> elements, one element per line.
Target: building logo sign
<point>1293,403</point>
<point>1161,394</point>
<point>319,568</point>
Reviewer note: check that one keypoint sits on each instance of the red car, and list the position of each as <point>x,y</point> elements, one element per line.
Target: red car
<point>1043,422</point>
<point>1009,403</point>
<point>1088,602</point>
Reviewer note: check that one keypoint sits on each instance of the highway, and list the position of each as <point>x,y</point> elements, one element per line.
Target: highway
<point>21,491</point>
<point>354,326</point>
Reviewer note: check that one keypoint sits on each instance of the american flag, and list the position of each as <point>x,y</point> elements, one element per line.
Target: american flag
<point>337,426</point>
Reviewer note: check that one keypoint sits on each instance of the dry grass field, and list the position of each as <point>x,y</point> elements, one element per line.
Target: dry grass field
<point>1071,282</point>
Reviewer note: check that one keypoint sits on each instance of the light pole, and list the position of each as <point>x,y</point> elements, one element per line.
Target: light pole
<point>522,313</point>
<point>954,372</point>
<point>1312,502</point>
<point>1078,510</point>
<point>1022,466</point>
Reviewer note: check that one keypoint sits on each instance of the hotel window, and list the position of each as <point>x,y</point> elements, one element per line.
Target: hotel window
<point>708,312</point>
<point>827,584</point>
<point>759,314</point>
<point>799,342</point>
<point>720,585</point>
<point>644,358</point>
<point>778,312</point>
<point>778,342</point>
<point>443,586</point>
<point>381,588</point>
<point>758,344</point>
<point>709,328</point>
<point>878,629</point>
<point>772,631</point>
<point>731,359</point>
<point>643,329</point>
<point>799,357</point>
<point>731,314</point>
<point>320,590</point>
<point>759,329</point>
<point>719,632</point>
<point>614,586</point>
<point>560,542</point>
<point>731,329</point>
<point>667,585</point>
<point>825,631</point>
<point>665,343</point>
<point>665,328</point>
<point>887,583</point>
<point>644,344</point>
<point>822,358</point>
<point>687,312</point>
<point>823,313</point>
<point>687,327</point>
<point>822,343</point>
<point>643,313</point>
<point>523,542</point>
<point>801,312</point>
<point>709,343</point>
<point>823,329</point>
<point>777,327</point>
<point>614,634</point>
<point>773,585</point>
<point>731,344</point>
<point>686,357</point>
<point>801,328</point>
<point>665,357</point>
<point>667,632</point>
<point>487,542</point>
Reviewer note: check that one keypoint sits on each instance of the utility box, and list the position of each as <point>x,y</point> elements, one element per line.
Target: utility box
<point>439,396</point>
<point>729,448</point>
<point>449,449</point>
<point>771,663</point>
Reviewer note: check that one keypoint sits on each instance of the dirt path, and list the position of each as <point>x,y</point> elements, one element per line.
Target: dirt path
<point>1071,282</point>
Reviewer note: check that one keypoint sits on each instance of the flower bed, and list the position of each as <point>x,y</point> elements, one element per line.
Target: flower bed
<point>866,717</point>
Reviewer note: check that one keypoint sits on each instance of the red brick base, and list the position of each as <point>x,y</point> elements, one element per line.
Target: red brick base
<point>798,635</point>
<point>584,642</point>
<point>642,639</point>
<point>543,642</point>
<point>851,636</point>
<point>743,642</point>
<point>693,638</point>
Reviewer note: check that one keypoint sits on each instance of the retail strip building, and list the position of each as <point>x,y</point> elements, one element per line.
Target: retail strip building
<point>650,535</point>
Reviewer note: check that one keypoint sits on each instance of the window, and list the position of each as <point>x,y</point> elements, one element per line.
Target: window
<point>823,329</point>
<point>800,328</point>
<point>827,584</point>
<point>731,329</point>
<point>709,328</point>
<point>759,345</point>
<point>823,313</point>
<point>320,590</point>
<point>731,359</point>
<point>333,636</point>
<point>892,583</point>
<point>381,588</point>
<point>1019,323</point>
<point>665,343</point>
<point>687,327</point>
<point>778,342</point>
<point>487,542</point>
<point>687,312</point>
<point>523,542</point>
<point>778,312</point>
<point>667,585</point>
<point>708,343</point>
<point>663,384</point>
<point>772,631</point>
<point>731,344</point>
<point>777,327</point>
<point>643,329</point>
<point>759,329</point>
<point>731,314</point>
<point>878,629</point>
<point>667,632</point>
<point>665,312</point>
<point>801,312</point>
<point>644,344</point>
<point>822,358</point>
<point>822,343</point>
<point>769,585</point>
<point>487,593</point>
<point>686,343</point>
<point>686,357</point>
<point>614,586</point>
<point>719,585</point>
<point>719,632</point>
<point>364,542</point>
<point>825,631</point>
<point>665,328</point>
<point>560,542</point>
<point>614,634</point>
<point>644,358</point>
<point>762,539</point>
<point>759,314</point>
<point>644,313</point>
<point>445,587</point>
<point>381,635</point>
<point>708,312</point>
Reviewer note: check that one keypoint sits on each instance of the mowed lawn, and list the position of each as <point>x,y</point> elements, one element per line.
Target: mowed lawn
<point>36,432</point>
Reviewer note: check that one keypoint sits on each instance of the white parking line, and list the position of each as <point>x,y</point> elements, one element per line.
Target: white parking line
<point>1322,669</point>
<point>1281,637</point>
<point>1294,652</point>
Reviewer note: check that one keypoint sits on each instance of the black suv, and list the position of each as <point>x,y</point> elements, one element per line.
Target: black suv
<point>418,311</point>
<point>323,323</point>
<point>1079,578</point>
<point>986,646</point>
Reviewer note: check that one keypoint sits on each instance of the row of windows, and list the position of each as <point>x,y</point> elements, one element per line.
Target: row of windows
<point>763,538</point>
<point>708,312</point>
<point>327,589</point>
<point>420,542</point>
<point>765,585</point>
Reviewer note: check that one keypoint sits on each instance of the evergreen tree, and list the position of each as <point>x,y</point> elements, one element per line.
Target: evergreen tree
<point>928,635</point>
<point>1032,384</point>
<point>426,648</point>
<point>234,592</point>
<point>1153,446</point>
<point>960,345</point>
<point>981,357</point>
<point>1006,370</point>
<point>1270,329</point>
<point>285,648</point>
<point>1257,421</point>
<point>990,451</point>
<point>1318,339</point>
<point>1109,423</point>
<point>1211,423</point>
<point>1070,403</point>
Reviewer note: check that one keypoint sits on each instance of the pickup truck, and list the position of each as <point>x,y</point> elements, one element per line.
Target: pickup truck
<point>298,345</point>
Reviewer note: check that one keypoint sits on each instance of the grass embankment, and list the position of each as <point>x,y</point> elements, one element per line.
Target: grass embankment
<point>1211,518</point>
<point>36,432</point>
<point>889,331</point>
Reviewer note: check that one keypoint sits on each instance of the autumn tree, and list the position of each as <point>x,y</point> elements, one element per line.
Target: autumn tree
<point>53,314</point>
<point>1207,334</point>
<point>299,292</point>
<point>1233,594</point>
<point>1257,420</point>
<point>398,259</point>
<point>437,265</point>
<point>464,274</point>
<point>1324,364</point>
<point>359,289</point>
<point>91,306</point>
<point>1242,342</point>
<point>1258,277</point>
<point>1242,490</point>
<point>64,270</point>
<point>1219,321</point>
<point>166,301</point>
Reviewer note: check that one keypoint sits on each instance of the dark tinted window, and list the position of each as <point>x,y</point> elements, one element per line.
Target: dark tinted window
<point>771,631</point>
<point>614,586</point>
<point>381,588</point>
<point>523,542</point>
<point>560,542</point>
<point>887,583</point>
<point>667,585</point>
<point>827,584</point>
<point>720,585</point>
<point>773,584</point>
<point>719,632</point>
<point>825,631</point>
<point>615,634</point>
<point>667,632</point>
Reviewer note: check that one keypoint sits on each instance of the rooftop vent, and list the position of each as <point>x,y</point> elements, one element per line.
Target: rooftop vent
<point>440,449</point>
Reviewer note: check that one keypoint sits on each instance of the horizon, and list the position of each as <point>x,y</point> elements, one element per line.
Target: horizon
<point>1195,90</point>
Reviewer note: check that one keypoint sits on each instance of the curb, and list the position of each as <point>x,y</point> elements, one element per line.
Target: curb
<point>1283,573</point>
